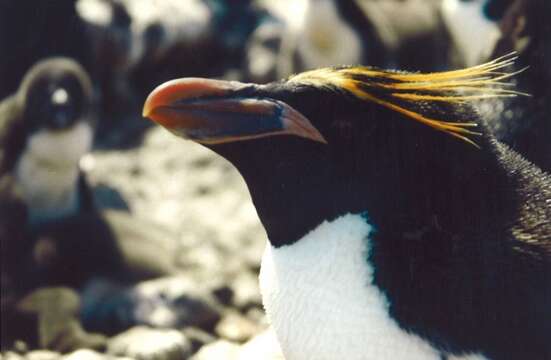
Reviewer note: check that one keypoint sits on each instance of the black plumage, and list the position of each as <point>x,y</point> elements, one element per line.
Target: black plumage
<point>526,124</point>
<point>462,244</point>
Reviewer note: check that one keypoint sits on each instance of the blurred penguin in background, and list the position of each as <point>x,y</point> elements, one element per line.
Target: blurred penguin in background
<point>127,35</point>
<point>46,126</point>
<point>473,26</point>
<point>139,43</point>
<point>52,231</point>
<point>393,34</point>
<point>525,124</point>
<point>45,129</point>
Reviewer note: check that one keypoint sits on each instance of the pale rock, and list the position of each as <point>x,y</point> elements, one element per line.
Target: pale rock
<point>84,354</point>
<point>42,355</point>
<point>58,325</point>
<point>262,346</point>
<point>144,343</point>
<point>220,349</point>
<point>236,327</point>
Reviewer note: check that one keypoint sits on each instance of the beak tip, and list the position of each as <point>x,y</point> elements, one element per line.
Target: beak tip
<point>147,108</point>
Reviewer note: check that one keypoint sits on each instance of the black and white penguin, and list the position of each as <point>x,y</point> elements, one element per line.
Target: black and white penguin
<point>45,130</point>
<point>46,127</point>
<point>52,231</point>
<point>398,227</point>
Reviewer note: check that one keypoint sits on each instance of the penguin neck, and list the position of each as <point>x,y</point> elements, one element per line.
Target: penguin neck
<point>406,187</point>
<point>455,189</point>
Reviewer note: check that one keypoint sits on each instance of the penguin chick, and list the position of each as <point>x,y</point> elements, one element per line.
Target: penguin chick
<point>45,128</point>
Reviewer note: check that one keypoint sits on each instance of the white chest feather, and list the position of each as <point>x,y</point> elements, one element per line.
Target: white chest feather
<point>48,171</point>
<point>472,32</point>
<point>326,39</point>
<point>321,302</point>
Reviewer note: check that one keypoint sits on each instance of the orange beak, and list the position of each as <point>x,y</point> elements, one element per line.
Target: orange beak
<point>215,111</point>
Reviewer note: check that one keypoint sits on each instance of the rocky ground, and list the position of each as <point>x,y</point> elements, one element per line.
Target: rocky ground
<point>193,210</point>
<point>209,307</point>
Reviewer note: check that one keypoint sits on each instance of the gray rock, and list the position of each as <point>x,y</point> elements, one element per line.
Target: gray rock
<point>246,290</point>
<point>57,300</point>
<point>220,349</point>
<point>263,346</point>
<point>84,354</point>
<point>236,327</point>
<point>10,355</point>
<point>198,338</point>
<point>219,243</point>
<point>178,182</point>
<point>142,343</point>
<point>58,326</point>
<point>42,355</point>
<point>175,302</point>
<point>258,316</point>
<point>148,249</point>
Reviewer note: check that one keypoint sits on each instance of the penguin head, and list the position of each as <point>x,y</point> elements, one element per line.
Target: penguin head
<point>330,134</point>
<point>55,94</point>
<point>55,105</point>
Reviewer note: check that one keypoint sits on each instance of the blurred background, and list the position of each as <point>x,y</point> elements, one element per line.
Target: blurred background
<point>159,255</point>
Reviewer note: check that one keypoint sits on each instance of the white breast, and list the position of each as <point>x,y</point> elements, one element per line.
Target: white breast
<point>326,39</point>
<point>320,299</point>
<point>48,171</point>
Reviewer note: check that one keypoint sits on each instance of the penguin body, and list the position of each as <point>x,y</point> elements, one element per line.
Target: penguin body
<point>398,227</point>
<point>324,278</point>
<point>52,231</point>
<point>48,127</point>
<point>49,189</point>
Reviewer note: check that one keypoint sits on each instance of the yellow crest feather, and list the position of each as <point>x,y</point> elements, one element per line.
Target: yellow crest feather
<point>390,89</point>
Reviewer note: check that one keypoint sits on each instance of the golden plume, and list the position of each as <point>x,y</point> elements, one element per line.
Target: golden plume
<point>404,92</point>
